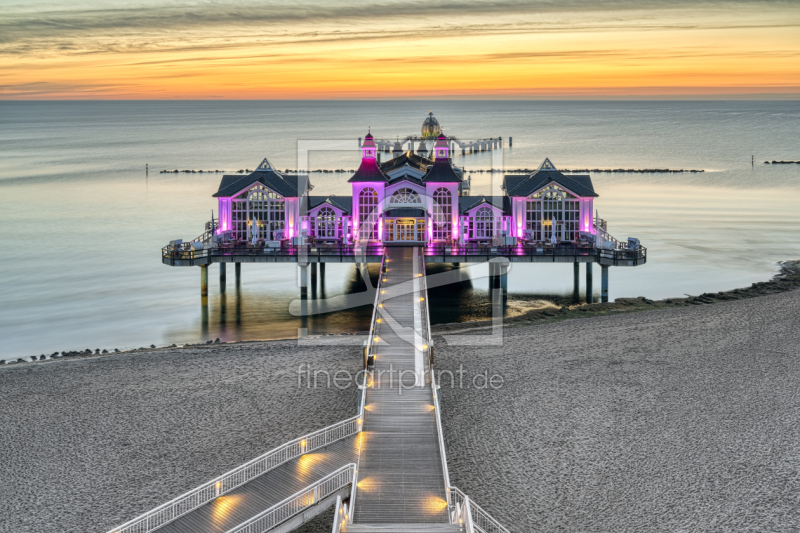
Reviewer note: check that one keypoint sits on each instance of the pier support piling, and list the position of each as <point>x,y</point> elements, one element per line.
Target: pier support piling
<point>510,142</point>
<point>303,281</point>
<point>313,280</point>
<point>322,280</point>
<point>238,271</point>
<point>589,295</point>
<point>204,283</point>
<point>604,284</point>
<point>576,281</point>
<point>222,277</point>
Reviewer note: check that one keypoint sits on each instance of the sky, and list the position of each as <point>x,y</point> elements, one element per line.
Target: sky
<point>496,49</point>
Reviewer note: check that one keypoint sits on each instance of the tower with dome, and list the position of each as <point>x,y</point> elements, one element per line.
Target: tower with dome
<point>430,127</point>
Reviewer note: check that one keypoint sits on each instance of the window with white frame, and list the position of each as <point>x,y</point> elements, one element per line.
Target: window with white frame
<point>442,214</point>
<point>405,196</point>
<point>259,206</point>
<point>325,225</point>
<point>484,223</point>
<point>553,211</point>
<point>368,214</point>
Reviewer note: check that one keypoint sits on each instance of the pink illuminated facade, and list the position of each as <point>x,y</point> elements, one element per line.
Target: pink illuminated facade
<point>409,199</point>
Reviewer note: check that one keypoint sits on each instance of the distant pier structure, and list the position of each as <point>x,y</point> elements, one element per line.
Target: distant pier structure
<point>423,144</point>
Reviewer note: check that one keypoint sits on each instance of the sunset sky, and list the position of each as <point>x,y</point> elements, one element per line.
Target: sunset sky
<point>103,49</point>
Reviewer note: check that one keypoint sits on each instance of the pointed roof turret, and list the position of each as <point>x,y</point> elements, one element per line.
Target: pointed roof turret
<point>441,149</point>
<point>265,165</point>
<point>547,165</point>
<point>369,169</point>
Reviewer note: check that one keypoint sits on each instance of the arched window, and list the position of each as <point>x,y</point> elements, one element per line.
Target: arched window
<point>405,196</point>
<point>325,224</point>
<point>368,214</point>
<point>553,211</point>
<point>484,223</point>
<point>260,206</point>
<point>442,214</point>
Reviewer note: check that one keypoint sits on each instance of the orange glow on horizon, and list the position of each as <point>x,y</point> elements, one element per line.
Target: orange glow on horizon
<point>646,53</point>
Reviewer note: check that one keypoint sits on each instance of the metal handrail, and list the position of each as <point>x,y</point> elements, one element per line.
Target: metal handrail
<point>436,406</point>
<point>298,502</point>
<point>478,519</point>
<point>188,502</point>
<point>378,301</point>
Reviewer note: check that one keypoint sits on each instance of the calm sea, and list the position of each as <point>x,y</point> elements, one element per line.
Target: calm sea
<point>83,224</point>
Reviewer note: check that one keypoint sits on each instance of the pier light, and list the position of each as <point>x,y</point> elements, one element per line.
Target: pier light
<point>383,292</point>
<point>378,320</point>
<point>380,305</point>
<point>422,299</point>
<point>303,446</point>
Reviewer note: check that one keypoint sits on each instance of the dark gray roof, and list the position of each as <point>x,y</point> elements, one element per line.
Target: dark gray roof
<point>441,172</point>
<point>404,212</point>
<point>368,171</point>
<point>286,186</point>
<point>465,203</point>
<point>345,203</point>
<point>580,184</point>
<point>408,158</point>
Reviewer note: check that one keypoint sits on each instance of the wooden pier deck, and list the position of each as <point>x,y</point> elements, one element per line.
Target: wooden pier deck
<point>400,473</point>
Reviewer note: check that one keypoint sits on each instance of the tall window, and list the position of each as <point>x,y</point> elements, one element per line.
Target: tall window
<point>484,223</point>
<point>405,196</point>
<point>553,211</point>
<point>259,206</point>
<point>442,214</point>
<point>368,214</point>
<point>325,225</point>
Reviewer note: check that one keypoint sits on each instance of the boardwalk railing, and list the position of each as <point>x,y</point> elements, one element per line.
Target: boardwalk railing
<point>166,513</point>
<point>170,254</point>
<point>471,514</point>
<point>298,502</point>
<point>434,388</point>
<point>374,325</point>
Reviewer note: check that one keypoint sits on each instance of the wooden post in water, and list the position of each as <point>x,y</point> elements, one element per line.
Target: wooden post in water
<point>322,280</point>
<point>303,272</point>
<point>576,281</point>
<point>204,284</point>
<point>238,270</point>
<point>589,295</point>
<point>223,278</point>
<point>604,284</point>
<point>313,280</point>
<point>510,142</point>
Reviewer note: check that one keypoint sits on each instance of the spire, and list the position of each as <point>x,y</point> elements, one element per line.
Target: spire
<point>368,149</point>
<point>441,149</point>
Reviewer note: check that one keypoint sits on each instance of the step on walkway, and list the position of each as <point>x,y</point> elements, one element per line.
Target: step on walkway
<point>400,475</point>
<point>243,503</point>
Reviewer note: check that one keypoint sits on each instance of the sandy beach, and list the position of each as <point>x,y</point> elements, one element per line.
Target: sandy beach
<point>676,419</point>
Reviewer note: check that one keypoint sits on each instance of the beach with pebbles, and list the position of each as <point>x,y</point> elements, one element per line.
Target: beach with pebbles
<point>680,418</point>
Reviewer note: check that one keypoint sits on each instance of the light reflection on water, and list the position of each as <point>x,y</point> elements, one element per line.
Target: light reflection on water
<point>83,226</point>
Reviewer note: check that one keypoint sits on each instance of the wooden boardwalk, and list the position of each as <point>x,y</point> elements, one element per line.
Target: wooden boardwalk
<point>400,475</point>
<point>250,499</point>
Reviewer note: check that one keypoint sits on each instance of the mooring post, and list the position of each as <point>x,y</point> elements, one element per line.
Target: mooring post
<point>604,284</point>
<point>303,271</point>
<point>222,277</point>
<point>589,295</point>
<point>576,280</point>
<point>313,280</point>
<point>510,142</point>
<point>238,270</point>
<point>204,283</point>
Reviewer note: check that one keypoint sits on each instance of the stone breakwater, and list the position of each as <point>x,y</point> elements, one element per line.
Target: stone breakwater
<point>491,170</point>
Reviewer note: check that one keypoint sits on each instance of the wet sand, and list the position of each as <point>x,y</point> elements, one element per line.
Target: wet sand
<point>677,419</point>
